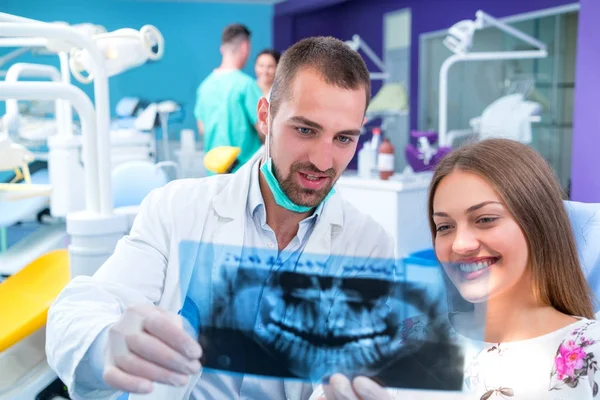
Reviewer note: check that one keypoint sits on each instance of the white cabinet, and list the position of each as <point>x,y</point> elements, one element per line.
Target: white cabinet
<point>398,204</point>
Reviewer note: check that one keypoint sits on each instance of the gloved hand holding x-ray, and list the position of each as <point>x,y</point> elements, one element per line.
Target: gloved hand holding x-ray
<point>341,388</point>
<point>313,317</point>
<point>148,345</point>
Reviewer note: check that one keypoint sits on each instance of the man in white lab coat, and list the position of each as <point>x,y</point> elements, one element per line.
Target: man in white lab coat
<point>119,330</point>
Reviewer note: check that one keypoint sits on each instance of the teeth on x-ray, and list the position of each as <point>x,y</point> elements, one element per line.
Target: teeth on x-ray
<point>318,325</point>
<point>315,321</point>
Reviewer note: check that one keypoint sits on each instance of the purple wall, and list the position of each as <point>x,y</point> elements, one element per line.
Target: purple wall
<point>342,19</point>
<point>585,184</point>
<point>300,6</point>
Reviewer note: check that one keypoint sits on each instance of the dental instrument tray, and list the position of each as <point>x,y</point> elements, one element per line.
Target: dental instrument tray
<point>11,191</point>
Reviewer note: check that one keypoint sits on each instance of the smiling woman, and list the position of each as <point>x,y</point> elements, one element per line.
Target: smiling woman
<point>498,201</point>
<point>520,308</point>
<point>517,294</point>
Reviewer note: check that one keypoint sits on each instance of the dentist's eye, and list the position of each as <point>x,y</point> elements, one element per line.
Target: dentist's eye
<point>304,131</point>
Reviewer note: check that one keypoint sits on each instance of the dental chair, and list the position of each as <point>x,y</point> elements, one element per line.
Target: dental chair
<point>585,220</point>
<point>27,295</point>
<point>509,116</point>
<point>25,298</point>
<point>132,181</point>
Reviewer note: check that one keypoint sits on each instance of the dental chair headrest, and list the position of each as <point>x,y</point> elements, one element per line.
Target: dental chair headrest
<point>221,160</point>
<point>585,220</point>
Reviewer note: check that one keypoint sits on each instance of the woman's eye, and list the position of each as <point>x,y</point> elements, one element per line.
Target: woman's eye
<point>486,220</point>
<point>442,228</point>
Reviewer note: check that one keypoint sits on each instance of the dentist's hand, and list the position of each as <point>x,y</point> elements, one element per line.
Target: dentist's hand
<point>361,388</point>
<point>149,345</point>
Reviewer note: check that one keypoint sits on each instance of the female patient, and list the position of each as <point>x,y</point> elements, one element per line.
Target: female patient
<point>518,299</point>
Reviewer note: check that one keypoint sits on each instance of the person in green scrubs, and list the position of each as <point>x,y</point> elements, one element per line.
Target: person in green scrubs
<point>227,99</point>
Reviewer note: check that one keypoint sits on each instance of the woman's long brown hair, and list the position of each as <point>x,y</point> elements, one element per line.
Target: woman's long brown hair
<point>530,191</point>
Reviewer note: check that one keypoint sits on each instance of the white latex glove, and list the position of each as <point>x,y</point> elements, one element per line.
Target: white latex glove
<point>361,388</point>
<point>149,345</point>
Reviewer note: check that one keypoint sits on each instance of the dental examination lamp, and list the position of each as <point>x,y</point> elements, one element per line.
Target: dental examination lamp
<point>460,40</point>
<point>98,218</point>
<point>357,44</point>
<point>123,49</point>
<point>37,46</point>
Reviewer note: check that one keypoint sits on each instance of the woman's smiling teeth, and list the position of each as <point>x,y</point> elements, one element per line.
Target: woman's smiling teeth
<point>476,266</point>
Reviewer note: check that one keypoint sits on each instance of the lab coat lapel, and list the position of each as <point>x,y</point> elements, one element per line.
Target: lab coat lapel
<point>297,390</point>
<point>293,390</point>
<point>328,223</point>
<point>230,206</point>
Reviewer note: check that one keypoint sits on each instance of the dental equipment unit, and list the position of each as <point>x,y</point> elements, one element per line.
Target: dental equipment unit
<point>94,227</point>
<point>460,40</point>
<point>425,149</point>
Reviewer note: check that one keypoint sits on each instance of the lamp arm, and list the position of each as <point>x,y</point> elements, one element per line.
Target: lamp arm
<point>484,20</point>
<point>369,52</point>
<point>18,70</point>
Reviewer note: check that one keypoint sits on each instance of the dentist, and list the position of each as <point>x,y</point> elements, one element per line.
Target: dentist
<point>119,329</point>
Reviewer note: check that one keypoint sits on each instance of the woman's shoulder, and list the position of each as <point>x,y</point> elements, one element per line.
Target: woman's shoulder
<point>577,356</point>
<point>580,342</point>
<point>583,334</point>
<point>585,331</point>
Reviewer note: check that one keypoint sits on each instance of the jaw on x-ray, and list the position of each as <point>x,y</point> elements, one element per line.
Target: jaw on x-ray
<point>290,324</point>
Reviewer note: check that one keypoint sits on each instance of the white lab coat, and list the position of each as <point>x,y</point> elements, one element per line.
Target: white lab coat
<point>145,265</point>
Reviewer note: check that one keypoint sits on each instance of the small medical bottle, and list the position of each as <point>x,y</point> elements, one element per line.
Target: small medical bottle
<point>376,139</point>
<point>385,159</point>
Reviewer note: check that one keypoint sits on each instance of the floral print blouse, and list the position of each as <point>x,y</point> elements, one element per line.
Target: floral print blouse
<point>561,365</point>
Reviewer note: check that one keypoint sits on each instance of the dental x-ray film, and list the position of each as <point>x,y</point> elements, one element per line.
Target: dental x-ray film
<point>307,317</point>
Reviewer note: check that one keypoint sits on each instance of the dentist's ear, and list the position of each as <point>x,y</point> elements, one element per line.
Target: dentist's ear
<point>263,116</point>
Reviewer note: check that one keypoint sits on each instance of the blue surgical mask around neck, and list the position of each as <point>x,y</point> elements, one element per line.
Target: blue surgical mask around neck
<point>281,198</point>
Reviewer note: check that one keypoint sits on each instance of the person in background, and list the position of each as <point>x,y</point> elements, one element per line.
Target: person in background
<point>264,67</point>
<point>226,100</point>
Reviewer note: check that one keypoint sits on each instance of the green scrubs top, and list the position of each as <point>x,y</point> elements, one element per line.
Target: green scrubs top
<point>226,104</point>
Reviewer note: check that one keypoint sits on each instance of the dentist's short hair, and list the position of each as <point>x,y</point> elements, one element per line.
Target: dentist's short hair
<point>338,64</point>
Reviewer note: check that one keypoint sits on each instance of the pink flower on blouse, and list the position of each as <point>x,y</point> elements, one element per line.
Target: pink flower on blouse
<point>569,359</point>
